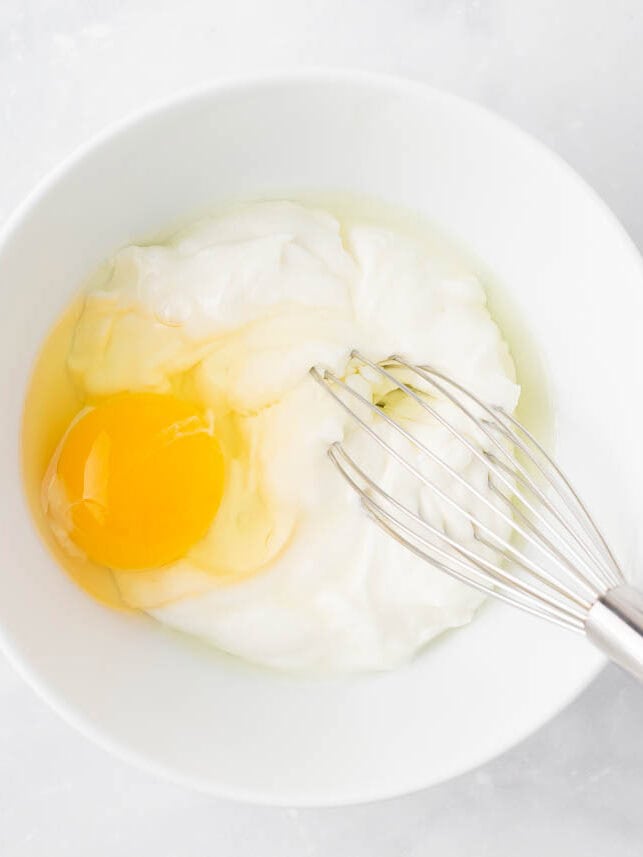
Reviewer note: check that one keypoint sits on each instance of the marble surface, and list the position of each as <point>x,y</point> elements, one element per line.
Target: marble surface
<point>570,72</point>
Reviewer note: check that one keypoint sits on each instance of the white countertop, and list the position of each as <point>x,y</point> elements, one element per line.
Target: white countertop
<point>570,72</point>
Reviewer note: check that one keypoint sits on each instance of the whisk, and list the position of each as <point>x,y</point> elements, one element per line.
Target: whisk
<point>555,564</point>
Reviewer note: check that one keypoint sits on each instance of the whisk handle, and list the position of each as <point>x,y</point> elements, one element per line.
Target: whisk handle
<point>615,625</point>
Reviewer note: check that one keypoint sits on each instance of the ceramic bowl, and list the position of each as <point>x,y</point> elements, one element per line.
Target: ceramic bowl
<point>206,720</point>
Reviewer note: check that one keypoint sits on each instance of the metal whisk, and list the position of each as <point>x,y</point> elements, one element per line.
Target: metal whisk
<point>555,564</point>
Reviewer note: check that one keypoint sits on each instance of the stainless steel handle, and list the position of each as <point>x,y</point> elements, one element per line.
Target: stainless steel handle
<point>615,625</point>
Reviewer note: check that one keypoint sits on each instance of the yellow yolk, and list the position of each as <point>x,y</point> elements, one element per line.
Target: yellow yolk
<point>141,477</point>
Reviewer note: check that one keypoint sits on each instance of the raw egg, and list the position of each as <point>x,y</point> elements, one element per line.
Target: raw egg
<point>136,480</point>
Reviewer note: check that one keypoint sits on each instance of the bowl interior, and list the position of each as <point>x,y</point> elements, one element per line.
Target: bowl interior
<point>573,275</point>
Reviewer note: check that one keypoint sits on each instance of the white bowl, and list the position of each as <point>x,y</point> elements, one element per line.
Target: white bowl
<point>208,721</point>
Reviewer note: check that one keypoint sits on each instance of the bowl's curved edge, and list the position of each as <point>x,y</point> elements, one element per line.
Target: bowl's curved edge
<point>320,799</point>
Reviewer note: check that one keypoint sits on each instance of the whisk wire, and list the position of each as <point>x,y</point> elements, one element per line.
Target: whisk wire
<point>497,415</point>
<point>424,479</point>
<point>584,565</point>
<point>506,593</point>
<point>561,569</point>
<point>595,572</point>
<point>495,570</point>
<point>577,507</point>
<point>593,576</point>
<point>560,560</point>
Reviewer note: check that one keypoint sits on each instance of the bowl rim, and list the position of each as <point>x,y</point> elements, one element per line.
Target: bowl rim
<point>237,83</point>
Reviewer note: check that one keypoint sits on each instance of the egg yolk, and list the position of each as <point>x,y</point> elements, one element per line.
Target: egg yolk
<point>142,478</point>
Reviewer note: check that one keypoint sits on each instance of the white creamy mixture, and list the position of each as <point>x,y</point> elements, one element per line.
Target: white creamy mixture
<point>245,304</point>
